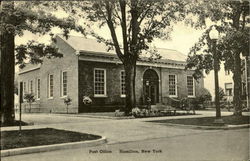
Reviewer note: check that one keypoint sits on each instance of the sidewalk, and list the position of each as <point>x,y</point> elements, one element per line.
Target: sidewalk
<point>114,130</point>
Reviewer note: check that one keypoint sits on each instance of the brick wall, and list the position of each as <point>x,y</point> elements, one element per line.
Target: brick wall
<point>113,100</point>
<point>86,86</point>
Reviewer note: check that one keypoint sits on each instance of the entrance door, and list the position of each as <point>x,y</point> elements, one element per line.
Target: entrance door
<point>151,86</point>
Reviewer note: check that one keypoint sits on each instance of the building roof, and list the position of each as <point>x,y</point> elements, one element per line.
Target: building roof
<point>93,46</point>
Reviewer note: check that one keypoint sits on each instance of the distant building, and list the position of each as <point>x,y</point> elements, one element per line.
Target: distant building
<point>227,84</point>
<point>87,69</point>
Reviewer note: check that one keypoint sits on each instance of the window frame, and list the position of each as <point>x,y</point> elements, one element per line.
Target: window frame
<point>105,83</point>
<point>176,90</point>
<point>38,89</point>
<point>31,89</point>
<point>49,92</point>
<point>123,95</point>
<point>191,96</point>
<point>61,86</point>
<point>24,88</point>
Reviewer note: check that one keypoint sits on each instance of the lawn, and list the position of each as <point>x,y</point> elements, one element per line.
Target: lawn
<point>45,136</point>
<point>208,121</point>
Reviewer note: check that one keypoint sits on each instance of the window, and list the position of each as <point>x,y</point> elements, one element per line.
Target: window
<point>172,85</point>
<point>229,89</point>
<point>51,84</point>
<point>38,88</point>
<point>227,72</point>
<point>64,86</point>
<point>31,86</point>
<point>123,94</point>
<point>190,86</point>
<point>99,82</point>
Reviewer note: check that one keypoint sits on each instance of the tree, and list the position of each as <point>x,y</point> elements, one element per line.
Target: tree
<point>140,22</point>
<point>67,102</point>
<point>30,98</point>
<point>15,18</point>
<point>234,40</point>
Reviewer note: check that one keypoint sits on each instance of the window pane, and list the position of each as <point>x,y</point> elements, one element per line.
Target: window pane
<point>51,84</point>
<point>123,83</point>
<point>190,85</point>
<point>172,85</point>
<point>99,82</point>
<point>64,84</point>
<point>38,88</point>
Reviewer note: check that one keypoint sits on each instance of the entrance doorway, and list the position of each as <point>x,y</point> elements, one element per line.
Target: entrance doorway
<point>151,86</point>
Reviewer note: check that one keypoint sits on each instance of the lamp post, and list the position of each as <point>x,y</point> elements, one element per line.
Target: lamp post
<point>214,35</point>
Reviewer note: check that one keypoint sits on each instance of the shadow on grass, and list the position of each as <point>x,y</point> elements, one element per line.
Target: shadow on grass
<point>37,137</point>
<point>15,123</point>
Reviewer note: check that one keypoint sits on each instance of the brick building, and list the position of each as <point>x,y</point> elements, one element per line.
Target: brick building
<point>88,69</point>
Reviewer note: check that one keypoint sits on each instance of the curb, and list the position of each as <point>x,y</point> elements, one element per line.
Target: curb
<point>226,127</point>
<point>46,148</point>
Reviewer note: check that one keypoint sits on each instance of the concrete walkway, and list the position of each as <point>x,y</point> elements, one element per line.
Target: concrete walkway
<point>115,131</point>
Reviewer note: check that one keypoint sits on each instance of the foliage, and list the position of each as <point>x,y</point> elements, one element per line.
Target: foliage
<point>87,100</point>
<point>136,112</point>
<point>221,94</point>
<point>234,41</point>
<point>67,101</point>
<point>198,102</point>
<point>205,95</point>
<point>30,98</point>
<point>33,17</point>
<point>234,33</point>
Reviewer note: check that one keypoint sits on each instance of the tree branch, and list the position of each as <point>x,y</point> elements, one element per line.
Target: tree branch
<point>124,26</point>
<point>112,31</point>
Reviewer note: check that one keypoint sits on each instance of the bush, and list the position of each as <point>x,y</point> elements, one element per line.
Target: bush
<point>67,102</point>
<point>30,98</point>
<point>87,100</point>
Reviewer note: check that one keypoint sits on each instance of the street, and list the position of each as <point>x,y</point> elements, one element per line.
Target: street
<point>222,145</point>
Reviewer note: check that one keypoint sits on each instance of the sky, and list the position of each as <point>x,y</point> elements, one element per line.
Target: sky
<point>183,37</point>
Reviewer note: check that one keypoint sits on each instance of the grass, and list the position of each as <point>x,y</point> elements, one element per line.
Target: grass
<point>208,121</point>
<point>37,137</point>
<point>109,114</point>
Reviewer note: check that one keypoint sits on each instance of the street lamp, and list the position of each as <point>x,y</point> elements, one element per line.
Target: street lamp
<point>214,35</point>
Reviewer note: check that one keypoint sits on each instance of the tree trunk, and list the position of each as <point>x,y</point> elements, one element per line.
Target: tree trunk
<point>237,85</point>
<point>129,87</point>
<point>7,78</point>
<point>7,65</point>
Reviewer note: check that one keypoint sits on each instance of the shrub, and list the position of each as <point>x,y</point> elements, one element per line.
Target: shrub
<point>136,111</point>
<point>87,100</point>
<point>67,102</point>
<point>30,98</point>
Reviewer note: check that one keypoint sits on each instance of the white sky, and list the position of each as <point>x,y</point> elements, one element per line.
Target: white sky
<point>183,37</point>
